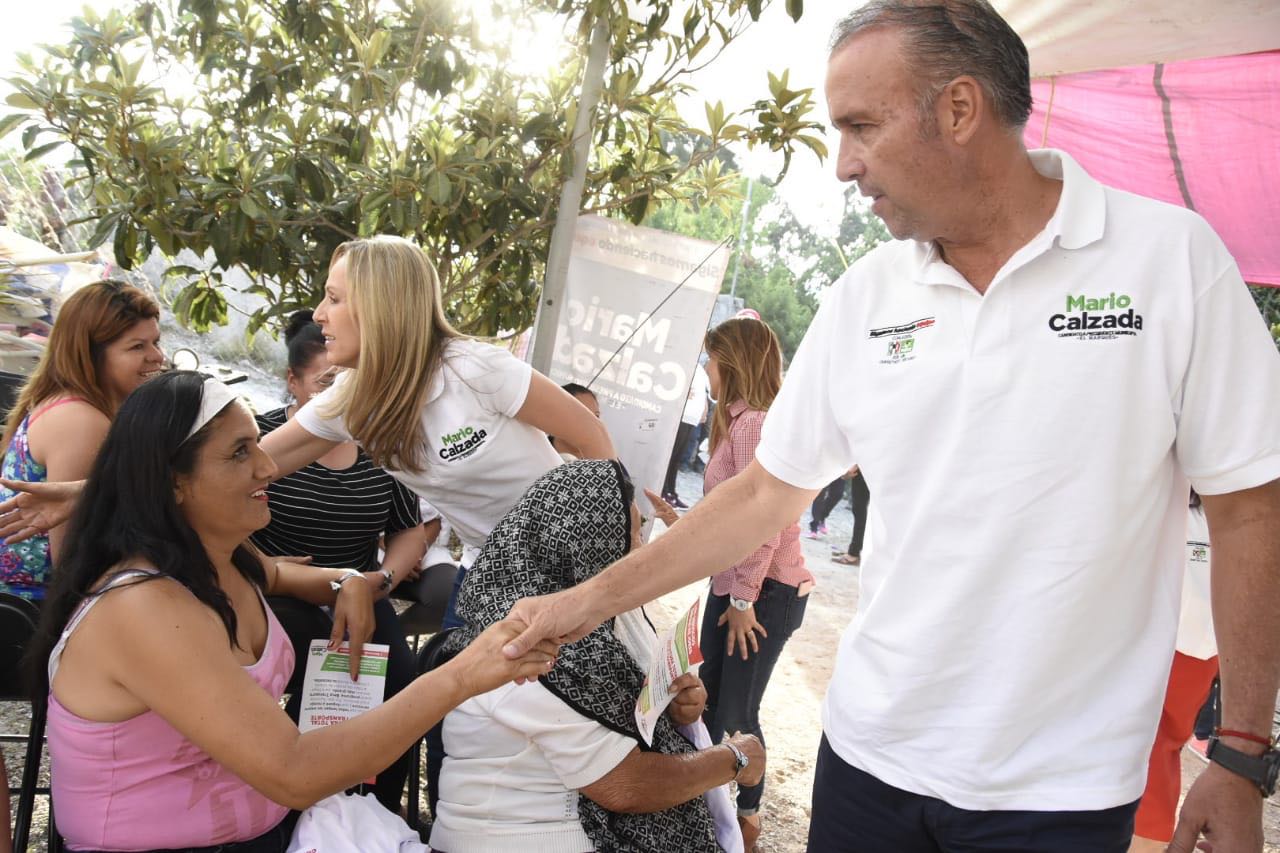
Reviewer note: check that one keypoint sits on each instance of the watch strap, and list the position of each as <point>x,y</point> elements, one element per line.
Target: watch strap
<point>739,758</point>
<point>740,604</point>
<point>1256,768</point>
<point>347,574</point>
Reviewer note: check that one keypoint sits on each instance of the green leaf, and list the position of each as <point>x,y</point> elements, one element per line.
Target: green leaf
<point>250,207</point>
<point>11,121</point>
<point>42,150</point>
<point>22,101</point>
<point>795,8</point>
<point>438,188</point>
<point>103,230</point>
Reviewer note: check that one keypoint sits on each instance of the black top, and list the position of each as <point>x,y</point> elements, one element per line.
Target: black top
<point>334,516</point>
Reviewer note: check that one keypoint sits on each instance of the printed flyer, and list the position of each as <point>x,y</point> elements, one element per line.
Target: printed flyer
<point>329,695</point>
<point>677,652</point>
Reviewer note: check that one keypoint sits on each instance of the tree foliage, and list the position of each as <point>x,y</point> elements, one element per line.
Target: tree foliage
<point>782,265</point>
<point>265,132</point>
<point>1268,301</point>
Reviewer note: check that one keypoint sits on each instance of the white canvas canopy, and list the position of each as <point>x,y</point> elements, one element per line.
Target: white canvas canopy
<point>1065,36</point>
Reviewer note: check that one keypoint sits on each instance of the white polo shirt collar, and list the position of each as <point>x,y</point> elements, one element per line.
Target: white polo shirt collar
<point>1079,220</point>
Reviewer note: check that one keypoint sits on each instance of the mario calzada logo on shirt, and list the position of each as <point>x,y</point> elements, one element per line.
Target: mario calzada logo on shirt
<point>901,339</point>
<point>461,444</point>
<point>1098,318</point>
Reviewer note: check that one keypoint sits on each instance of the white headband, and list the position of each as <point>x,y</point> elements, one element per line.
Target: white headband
<point>214,397</point>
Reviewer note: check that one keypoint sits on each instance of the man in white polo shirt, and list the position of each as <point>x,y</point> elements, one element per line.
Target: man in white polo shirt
<point>1028,378</point>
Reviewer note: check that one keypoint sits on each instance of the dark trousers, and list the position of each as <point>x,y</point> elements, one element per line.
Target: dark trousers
<point>304,622</point>
<point>860,498</point>
<point>451,618</point>
<point>853,812</point>
<point>682,438</point>
<point>1208,716</point>
<point>735,687</point>
<point>825,502</point>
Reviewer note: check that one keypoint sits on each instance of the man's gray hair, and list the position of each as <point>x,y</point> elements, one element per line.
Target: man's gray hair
<point>947,38</point>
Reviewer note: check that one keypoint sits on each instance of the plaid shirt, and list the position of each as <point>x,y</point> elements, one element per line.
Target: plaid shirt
<point>780,557</point>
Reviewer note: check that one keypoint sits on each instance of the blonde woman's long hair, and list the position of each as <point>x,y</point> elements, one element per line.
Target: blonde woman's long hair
<point>749,359</point>
<point>394,293</point>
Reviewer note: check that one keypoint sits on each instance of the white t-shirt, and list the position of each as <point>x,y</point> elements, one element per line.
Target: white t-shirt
<point>1195,623</point>
<point>516,757</point>
<point>695,405</point>
<point>480,459</point>
<point>1029,452</point>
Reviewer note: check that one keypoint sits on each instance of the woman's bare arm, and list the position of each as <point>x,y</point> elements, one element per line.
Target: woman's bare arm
<point>646,782</point>
<point>180,666</point>
<point>553,410</point>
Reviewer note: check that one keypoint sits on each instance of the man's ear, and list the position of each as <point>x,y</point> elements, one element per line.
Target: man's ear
<point>961,109</point>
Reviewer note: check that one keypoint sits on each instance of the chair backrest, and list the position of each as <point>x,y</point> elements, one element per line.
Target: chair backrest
<point>432,656</point>
<point>18,620</point>
<point>433,653</point>
<point>430,596</point>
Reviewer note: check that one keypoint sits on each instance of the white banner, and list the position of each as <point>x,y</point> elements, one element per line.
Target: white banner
<point>619,275</point>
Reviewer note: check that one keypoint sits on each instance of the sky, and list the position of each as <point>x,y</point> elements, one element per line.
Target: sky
<point>738,77</point>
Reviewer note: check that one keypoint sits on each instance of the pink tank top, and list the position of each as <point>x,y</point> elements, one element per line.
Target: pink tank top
<point>139,784</point>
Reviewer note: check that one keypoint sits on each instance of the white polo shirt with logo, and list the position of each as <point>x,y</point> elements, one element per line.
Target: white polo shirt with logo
<point>1029,452</point>
<point>480,459</point>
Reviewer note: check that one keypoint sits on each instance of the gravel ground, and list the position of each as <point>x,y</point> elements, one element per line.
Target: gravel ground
<point>791,706</point>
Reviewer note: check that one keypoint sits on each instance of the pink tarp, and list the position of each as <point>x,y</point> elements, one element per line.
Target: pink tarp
<point>1202,133</point>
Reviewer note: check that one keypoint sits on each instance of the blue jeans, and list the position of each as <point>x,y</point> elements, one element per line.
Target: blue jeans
<point>735,687</point>
<point>451,619</point>
<point>854,812</point>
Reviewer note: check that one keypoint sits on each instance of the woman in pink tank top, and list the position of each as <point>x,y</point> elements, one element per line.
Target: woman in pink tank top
<point>105,343</point>
<point>162,667</point>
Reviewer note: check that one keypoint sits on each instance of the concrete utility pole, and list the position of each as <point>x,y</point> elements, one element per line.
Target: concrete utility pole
<point>552,301</point>
<point>742,240</point>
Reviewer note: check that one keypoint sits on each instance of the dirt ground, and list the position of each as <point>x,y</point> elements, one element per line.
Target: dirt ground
<point>792,705</point>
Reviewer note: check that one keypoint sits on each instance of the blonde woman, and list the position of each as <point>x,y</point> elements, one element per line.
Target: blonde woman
<point>462,423</point>
<point>754,606</point>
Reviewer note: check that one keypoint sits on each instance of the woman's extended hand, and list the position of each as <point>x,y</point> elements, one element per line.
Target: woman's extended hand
<point>37,508</point>
<point>482,666</point>
<point>753,749</point>
<point>742,629</point>
<point>662,509</point>
<point>690,699</point>
<point>353,616</point>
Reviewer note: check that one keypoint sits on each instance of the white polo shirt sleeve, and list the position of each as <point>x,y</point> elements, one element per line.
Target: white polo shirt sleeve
<point>1229,419</point>
<point>579,750</point>
<point>801,442</point>
<point>309,417</point>
<point>499,380</point>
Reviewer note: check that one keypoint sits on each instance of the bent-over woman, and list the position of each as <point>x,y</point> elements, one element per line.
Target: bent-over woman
<point>559,764</point>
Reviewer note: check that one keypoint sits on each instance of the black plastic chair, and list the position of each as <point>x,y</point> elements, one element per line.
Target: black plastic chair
<point>431,656</point>
<point>430,596</point>
<point>18,620</point>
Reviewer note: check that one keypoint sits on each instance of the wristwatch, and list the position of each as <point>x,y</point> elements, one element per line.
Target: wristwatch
<point>347,574</point>
<point>739,604</point>
<point>388,580</point>
<point>1262,770</point>
<point>739,758</point>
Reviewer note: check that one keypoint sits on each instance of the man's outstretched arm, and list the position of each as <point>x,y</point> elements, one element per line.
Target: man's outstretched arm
<point>722,529</point>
